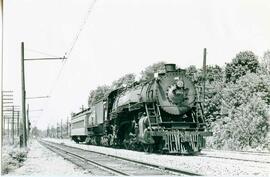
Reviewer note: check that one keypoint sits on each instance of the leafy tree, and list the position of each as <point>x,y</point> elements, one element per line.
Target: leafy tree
<point>91,98</point>
<point>214,84</point>
<point>212,100</point>
<point>36,132</point>
<point>192,72</point>
<point>214,73</point>
<point>97,94</point>
<point>126,79</point>
<point>244,62</point>
<point>100,91</point>
<point>149,71</point>
<point>266,61</point>
<point>52,132</point>
<point>238,107</point>
<point>243,121</point>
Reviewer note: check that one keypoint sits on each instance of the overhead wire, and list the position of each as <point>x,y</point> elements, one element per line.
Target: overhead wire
<point>40,52</point>
<point>70,49</point>
<point>68,52</point>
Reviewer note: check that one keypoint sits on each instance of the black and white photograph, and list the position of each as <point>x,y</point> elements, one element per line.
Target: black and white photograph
<point>135,88</point>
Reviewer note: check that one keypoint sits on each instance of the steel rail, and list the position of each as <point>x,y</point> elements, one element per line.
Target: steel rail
<point>232,158</point>
<point>239,152</point>
<point>117,172</point>
<point>64,156</point>
<point>160,167</point>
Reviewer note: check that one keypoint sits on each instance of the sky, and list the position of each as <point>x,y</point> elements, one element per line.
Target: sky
<point>117,38</point>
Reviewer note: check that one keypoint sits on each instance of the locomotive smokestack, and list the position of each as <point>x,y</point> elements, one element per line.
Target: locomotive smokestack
<point>170,67</point>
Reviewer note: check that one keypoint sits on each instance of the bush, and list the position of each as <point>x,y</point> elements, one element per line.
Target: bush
<point>8,164</point>
<point>244,119</point>
<point>243,63</point>
<point>12,159</point>
<point>18,154</point>
<point>148,72</point>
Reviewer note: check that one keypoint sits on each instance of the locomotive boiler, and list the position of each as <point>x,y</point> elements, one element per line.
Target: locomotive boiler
<point>163,114</point>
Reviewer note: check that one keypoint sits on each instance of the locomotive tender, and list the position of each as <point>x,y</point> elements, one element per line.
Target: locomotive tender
<point>162,115</point>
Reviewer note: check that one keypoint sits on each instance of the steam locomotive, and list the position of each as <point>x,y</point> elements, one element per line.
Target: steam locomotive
<point>160,115</point>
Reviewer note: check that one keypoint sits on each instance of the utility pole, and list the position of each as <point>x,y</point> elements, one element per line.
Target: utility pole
<point>2,59</point>
<point>57,130</point>
<point>67,127</point>
<point>18,123</point>
<point>204,74</point>
<point>48,131</point>
<point>61,135</point>
<point>24,122</point>
<point>24,143</point>
<point>7,101</point>
<point>3,127</point>
<point>53,131</point>
<point>27,120</point>
<point>8,131</point>
<point>12,126</point>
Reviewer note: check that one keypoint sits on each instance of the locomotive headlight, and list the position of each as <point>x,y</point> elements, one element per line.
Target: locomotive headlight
<point>180,84</point>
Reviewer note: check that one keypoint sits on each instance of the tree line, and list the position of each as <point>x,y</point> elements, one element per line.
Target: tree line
<point>128,79</point>
<point>237,102</point>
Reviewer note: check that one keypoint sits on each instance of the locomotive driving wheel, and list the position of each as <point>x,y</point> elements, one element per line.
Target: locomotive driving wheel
<point>129,141</point>
<point>128,144</point>
<point>148,148</point>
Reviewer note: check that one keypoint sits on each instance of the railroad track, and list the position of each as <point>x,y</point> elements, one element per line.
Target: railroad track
<point>107,165</point>
<point>90,168</point>
<point>240,152</point>
<point>233,158</point>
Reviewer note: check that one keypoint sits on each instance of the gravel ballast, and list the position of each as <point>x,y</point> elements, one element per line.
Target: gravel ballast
<point>43,162</point>
<point>197,164</point>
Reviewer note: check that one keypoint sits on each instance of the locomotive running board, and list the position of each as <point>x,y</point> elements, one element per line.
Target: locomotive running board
<point>206,133</point>
<point>182,125</point>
